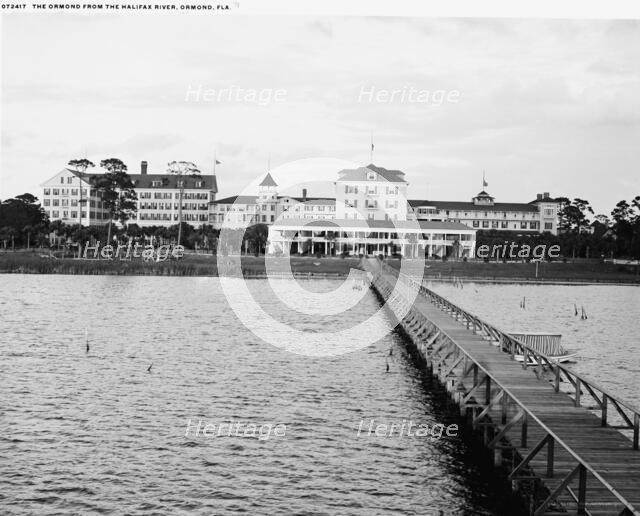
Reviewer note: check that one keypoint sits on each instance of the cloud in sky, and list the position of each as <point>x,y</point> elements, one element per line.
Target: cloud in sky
<point>545,105</point>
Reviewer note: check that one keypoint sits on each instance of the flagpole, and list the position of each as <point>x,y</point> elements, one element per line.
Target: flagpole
<point>215,160</point>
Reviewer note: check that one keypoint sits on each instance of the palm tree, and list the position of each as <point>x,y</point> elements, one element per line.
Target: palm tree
<point>28,229</point>
<point>182,169</point>
<point>81,166</point>
<point>118,193</point>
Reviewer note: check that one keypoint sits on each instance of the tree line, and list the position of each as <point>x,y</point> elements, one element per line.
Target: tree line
<point>24,223</point>
<point>581,233</point>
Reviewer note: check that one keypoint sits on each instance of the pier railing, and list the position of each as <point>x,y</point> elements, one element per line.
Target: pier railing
<point>497,396</point>
<point>629,415</point>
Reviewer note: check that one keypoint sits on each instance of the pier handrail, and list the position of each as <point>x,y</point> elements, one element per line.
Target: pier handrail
<point>515,343</point>
<point>515,346</point>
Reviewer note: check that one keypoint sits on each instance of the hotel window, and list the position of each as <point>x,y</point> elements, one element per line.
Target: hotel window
<point>46,202</point>
<point>549,212</point>
<point>156,183</point>
<point>74,214</point>
<point>494,224</point>
<point>476,223</point>
<point>47,191</point>
<point>523,225</point>
<point>485,223</point>
<point>372,190</point>
<point>548,226</point>
<point>56,202</point>
<point>65,214</point>
<point>55,213</point>
<point>371,176</point>
<point>534,225</point>
<point>56,191</point>
<point>69,180</point>
<point>62,180</point>
<point>65,202</point>
<point>505,224</point>
<point>350,189</point>
<point>74,191</point>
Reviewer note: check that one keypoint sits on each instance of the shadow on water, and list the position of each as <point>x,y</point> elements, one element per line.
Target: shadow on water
<point>489,488</point>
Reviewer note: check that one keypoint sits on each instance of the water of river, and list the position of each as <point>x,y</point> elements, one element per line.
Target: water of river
<point>84,433</point>
<point>606,341</point>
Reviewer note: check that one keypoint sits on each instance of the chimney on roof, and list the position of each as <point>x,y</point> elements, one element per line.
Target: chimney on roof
<point>546,195</point>
<point>143,167</point>
<point>304,194</point>
<point>539,197</point>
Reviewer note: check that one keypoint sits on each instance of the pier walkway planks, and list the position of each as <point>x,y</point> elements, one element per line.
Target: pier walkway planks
<point>586,465</point>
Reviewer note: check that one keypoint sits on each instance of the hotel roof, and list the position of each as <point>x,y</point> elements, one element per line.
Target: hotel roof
<point>360,174</point>
<point>240,199</point>
<point>170,181</point>
<point>268,181</point>
<point>373,224</point>
<point>327,201</point>
<point>470,206</point>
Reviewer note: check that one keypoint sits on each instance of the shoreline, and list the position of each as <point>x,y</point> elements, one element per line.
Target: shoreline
<point>555,273</point>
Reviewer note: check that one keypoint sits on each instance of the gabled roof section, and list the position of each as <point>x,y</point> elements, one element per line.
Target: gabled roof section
<point>268,181</point>
<point>381,170</point>
<point>310,200</point>
<point>169,181</point>
<point>360,174</point>
<point>470,206</point>
<point>484,194</point>
<point>239,199</point>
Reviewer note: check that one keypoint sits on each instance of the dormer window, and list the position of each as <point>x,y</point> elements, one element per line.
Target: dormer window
<point>200,184</point>
<point>371,176</point>
<point>180,184</point>
<point>156,183</point>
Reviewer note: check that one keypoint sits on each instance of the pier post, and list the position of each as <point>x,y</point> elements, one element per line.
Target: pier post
<point>497,456</point>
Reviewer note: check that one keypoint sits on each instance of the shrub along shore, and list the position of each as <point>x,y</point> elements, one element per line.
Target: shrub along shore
<point>189,265</point>
<point>581,271</point>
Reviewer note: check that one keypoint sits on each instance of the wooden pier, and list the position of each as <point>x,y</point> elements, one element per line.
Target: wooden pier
<point>569,446</point>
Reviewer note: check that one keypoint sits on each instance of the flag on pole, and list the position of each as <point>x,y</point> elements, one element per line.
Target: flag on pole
<point>218,162</point>
<point>484,182</point>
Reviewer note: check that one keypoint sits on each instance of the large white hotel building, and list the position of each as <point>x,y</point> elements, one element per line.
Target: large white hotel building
<point>369,214</point>
<point>71,196</point>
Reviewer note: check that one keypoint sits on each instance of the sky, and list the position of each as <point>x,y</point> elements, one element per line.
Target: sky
<point>541,105</point>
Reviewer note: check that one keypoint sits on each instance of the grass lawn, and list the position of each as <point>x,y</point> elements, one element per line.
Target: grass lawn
<point>206,265</point>
<point>190,265</point>
<point>579,270</point>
